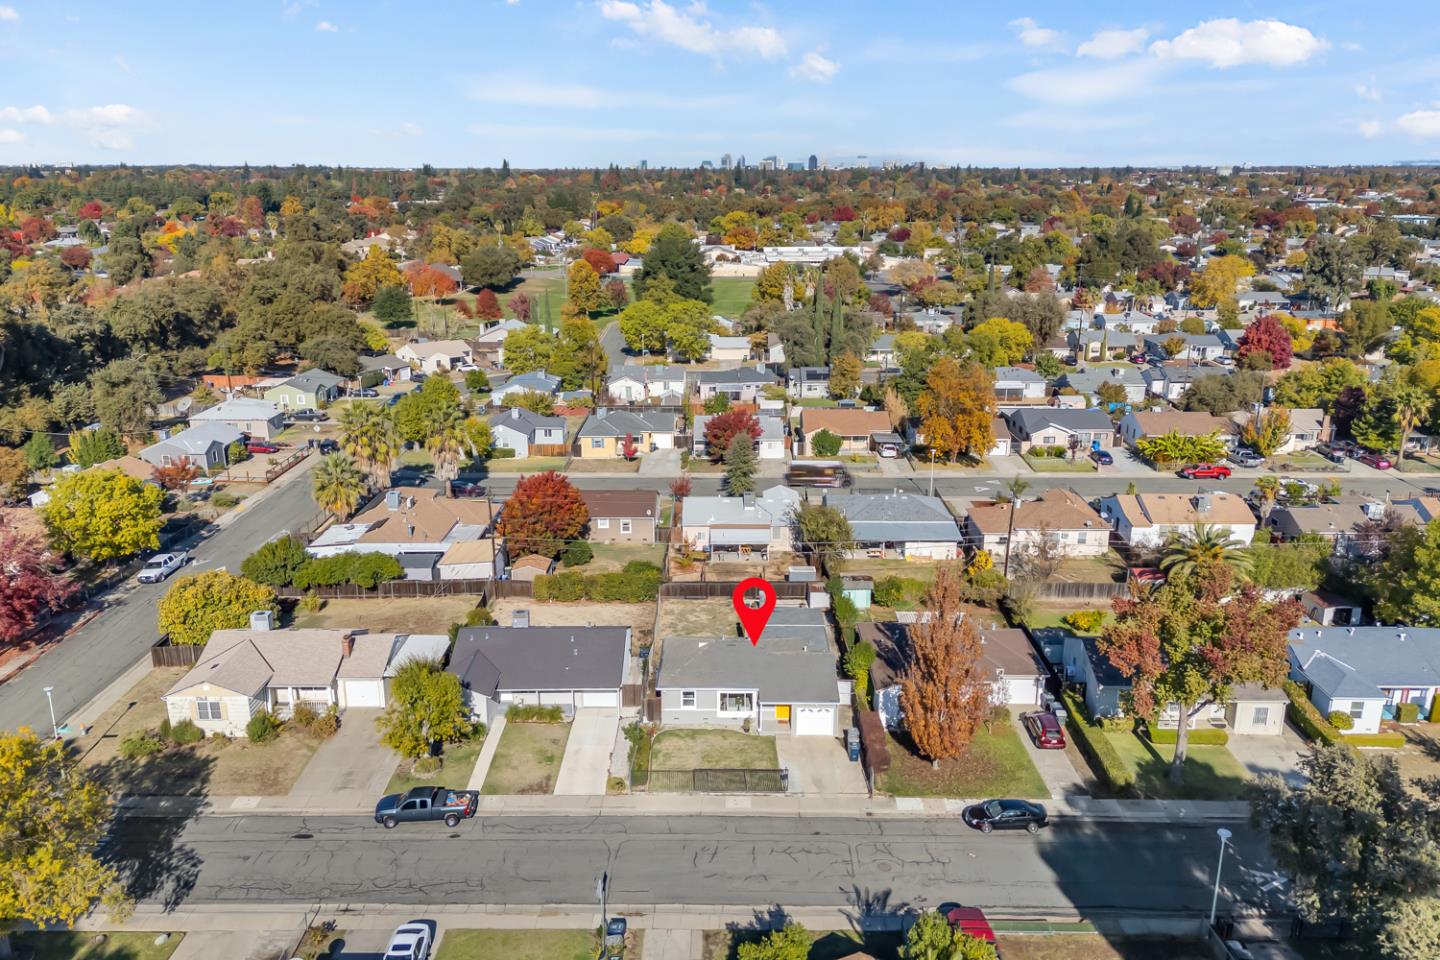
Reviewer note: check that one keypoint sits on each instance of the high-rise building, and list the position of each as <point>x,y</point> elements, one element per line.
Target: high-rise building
<point>814,162</point>
<point>725,161</point>
<point>644,164</point>
<point>795,165</point>
<point>740,162</point>
<point>707,164</point>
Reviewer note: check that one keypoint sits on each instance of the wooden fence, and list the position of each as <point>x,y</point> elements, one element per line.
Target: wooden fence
<point>500,589</point>
<point>549,450</point>
<point>163,653</point>
<point>391,589</point>
<point>1082,590</point>
<point>705,589</point>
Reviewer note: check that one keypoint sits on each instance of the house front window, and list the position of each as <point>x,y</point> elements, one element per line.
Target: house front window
<point>602,523</point>
<point>687,699</point>
<point>207,710</point>
<point>624,526</point>
<point>1357,709</point>
<point>1049,441</point>
<point>597,443</point>
<point>737,703</point>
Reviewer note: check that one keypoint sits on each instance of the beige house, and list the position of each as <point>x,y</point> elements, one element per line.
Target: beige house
<point>436,356</point>
<point>853,427</point>
<point>1061,517</point>
<point>1149,519</point>
<point>1138,425</point>
<point>1308,427</point>
<point>242,672</point>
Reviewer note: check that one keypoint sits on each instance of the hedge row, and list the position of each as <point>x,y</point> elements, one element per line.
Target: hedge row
<point>1206,736</point>
<point>1306,717</point>
<point>1097,748</point>
<point>639,582</point>
<point>534,713</point>
<point>362,569</point>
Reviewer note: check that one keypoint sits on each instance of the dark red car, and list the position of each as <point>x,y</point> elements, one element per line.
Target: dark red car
<point>1206,471</point>
<point>970,920</point>
<point>262,446</point>
<point>1375,460</point>
<point>1044,730</point>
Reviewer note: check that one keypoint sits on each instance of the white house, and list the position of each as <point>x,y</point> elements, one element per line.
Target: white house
<point>740,526</point>
<point>1150,519</point>
<point>519,429</point>
<point>729,349</point>
<point>204,445</point>
<point>659,383</point>
<point>770,446</point>
<point>256,418</point>
<point>435,356</point>
<point>1367,672</point>
<point>900,525</point>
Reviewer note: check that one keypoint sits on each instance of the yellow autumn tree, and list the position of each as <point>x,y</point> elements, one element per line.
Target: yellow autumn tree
<point>957,408</point>
<point>584,294</point>
<point>364,279</point>
<point>1219,279</point>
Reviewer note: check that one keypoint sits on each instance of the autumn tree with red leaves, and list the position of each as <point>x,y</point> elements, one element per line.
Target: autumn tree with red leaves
<point>722,428</point>
<point>177,475</point>
<point>600,260</point>
<point>76,258</point>
<point>522,306</point>
<point>428,281</point>
<point>618,294</point>
<point>28,582</point>
<point>542,515</point>
<point>1189,642</point>
<point>1267,336</point>
<point>91,210</point>
<point>945,692</point>
<point>680,486</point>
<point>628,449</point>
<point>487,305</point>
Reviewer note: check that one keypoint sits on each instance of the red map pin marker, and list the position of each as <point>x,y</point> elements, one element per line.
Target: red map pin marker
<point>753,619</point>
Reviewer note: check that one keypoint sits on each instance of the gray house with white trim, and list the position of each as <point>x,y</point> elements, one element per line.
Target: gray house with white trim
<point>566,667</point>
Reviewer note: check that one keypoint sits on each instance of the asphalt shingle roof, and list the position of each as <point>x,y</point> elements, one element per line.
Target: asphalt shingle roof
<point>491,659</point>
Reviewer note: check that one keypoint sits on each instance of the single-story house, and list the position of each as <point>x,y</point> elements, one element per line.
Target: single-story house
<point>853,427</point>
<point>738,527</point>
<point>1101,345</point>
<point>729,349</point>
<point>622,516</point>
<point>311,390</point>
<point>1198,346</point>
<point>537,381</point>
<point>568,667</point>
<point>204,445</point>
<point>1102,682</point>
<point>387,366</point>
<point>1061,517</point>
<point>488,347</point>
<point>470,560</point>
<point>242,672</point>
<point>1169,381</point>
<point>419,521</point>
<point>743,384</point>
<point>1367,672</point>
<point>787,684</point>
<point>435,356</point>
<point>770,446</point>
<point>530,566</point>
<point>519,429</point>
<point>1308,426</point>
<point>882,351</point>
<point>902,525</point>
<point>1150,519</point>
<point>1087,382</point>
<point>1018,385</point>
<point>603,434</point>
<point>1055,426</point>
<point>664,383</point>
<point>257,419</point>
<point>1140,424</point>
<point>1335,522</point>
<point>803,383</point>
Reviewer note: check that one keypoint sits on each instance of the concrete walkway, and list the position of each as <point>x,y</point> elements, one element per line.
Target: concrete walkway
<point>585,768</point>
<point>487,754</point>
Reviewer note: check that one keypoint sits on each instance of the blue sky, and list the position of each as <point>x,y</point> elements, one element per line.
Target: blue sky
<point>564,83</point>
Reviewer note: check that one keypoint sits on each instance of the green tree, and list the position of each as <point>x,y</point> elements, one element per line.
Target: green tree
<point>490,266</point>
<point>1331,273</point>
<point>195,607</point>
<point>392,306</point>
<point>53,818</point>
<point>642,324</point>
<point>584,294</point>
<point>103,515</point>
<point>368,434</point>
<point>1317,384</point>
<point>450,439</point>
<point>931,937</point>
<point>1048,365</point>
<point>1413,407</point>
<point>826,444</point>
<point>1267,432</point>
<point>89,447</point>
<point>792,942</point>
<point>1406,584</point>
<point>276,563</point>
<point>1204,544</point>
<point>40,453</point>
<point>825,531</point>
<point>675,255</point>
<point>740,464</point>
<point>1000,342</point>
<point>338,484</point>
<point>427,709</point>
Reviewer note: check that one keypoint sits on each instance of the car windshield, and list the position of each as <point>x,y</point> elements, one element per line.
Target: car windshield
<point>992,809</point>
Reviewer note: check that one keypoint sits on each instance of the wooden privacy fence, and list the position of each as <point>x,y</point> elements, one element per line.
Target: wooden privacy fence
<point>549,450</point>
<point>500,589</point>
<point>390,590</point>
<point>1082,590</point>
<point>705,589</point>
<point>163,653</point>
<point>718,780</point>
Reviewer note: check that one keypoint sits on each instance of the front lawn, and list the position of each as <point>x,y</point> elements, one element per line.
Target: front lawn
<point>526,464</point>
<point>996,765</point>
<point>1094,946</point>
<point>79,945</point>
<point>615,465</point>
<point>826,945</point>
<point>1059,464</point>
<point>1211,772</point>
<point>527,759</point>
<point>530,944</point>
<point>456,765</point>
<point>713,749</point>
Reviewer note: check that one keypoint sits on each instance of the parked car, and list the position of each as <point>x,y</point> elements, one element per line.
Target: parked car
<point>328,446</point>
<point>969,920</point>
<point>1331,452</point>
<point>466,366</point>
<point>410,941</point>
<point>1102,457</point>
<point>1375,460</point>
<point>262,446</point>
<point>1137,358</point>
<point>1225,361</point>
<point>365,393</point>
<point>466,488</point>
<point>307,415</point>
<point>1005,815</point>
<point>1206,471</point>
<point>160,566</point>
<point>427,803</point>
<point>1045,730</point>
<point>1246,458</point>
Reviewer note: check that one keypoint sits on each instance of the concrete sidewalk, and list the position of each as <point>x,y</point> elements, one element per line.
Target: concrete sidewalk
<point>762,805</point>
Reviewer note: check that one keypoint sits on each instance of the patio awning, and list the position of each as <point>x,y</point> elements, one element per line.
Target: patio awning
<point>740,538</point>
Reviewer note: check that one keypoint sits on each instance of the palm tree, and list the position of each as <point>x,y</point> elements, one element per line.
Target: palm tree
<point>1204,545</point>
<point>1412,407</point>
<point>338,484</point>
<point>448,441</point>
<point>367,433</point>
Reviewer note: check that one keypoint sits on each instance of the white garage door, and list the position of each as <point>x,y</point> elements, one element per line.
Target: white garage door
<point>557,698</point>
<point>599,698</point>
<point>664,441</point>
<point>364,693</point>
<point>814,721</point>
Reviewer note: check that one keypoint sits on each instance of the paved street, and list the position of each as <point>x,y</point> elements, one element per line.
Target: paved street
<point>83,664</point>
<point>877,864</point>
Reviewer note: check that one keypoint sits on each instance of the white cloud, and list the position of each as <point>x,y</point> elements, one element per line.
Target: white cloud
<point>11,136</point>
<point>110,126</point>
<point>9,15</point>
<point>1032,34</point>
<point>35,114</point>
<point>512,131</point>
<point>815,68</point>
<point>1421,123</point>
<point>686,30</point>
<point>1109,44</point>
<point>1368,91</point>
<point>1369,129</point>
<point>1082,85</point>
<point>1230,43</point>
<point>325,26</point>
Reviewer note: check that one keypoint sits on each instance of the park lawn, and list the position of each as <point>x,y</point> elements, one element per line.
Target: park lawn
<point>527,759</point>
<point>826,944</point>
<point>1059,464</point>
<point>456,765</point>
<point>731,294</point>
<point>528,944</point>
<point>1211,771</point>
<point>996,765</point>
<point>724,749</point>
<point>78,945</point>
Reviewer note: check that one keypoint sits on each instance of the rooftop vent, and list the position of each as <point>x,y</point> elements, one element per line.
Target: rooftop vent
<point>392,499</point>
<point>520,618</point>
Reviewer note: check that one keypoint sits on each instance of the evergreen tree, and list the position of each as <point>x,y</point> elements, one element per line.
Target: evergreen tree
<point>740,464</point>
<point>674,254</point>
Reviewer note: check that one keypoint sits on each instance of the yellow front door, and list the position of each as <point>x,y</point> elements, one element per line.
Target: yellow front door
<point>782,713</point>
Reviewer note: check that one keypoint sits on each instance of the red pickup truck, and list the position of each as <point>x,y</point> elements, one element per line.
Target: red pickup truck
<point>1206,471</point>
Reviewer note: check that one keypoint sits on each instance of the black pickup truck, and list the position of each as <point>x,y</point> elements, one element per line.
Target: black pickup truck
<point>427,803</point>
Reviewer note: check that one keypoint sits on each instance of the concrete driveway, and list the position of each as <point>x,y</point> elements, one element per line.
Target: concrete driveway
<point>1280,755</point>
<point>660,463</point>
<point>819,766</point>
<point>585,768</point>
<point>351,763</point>
<point>1054,765</point>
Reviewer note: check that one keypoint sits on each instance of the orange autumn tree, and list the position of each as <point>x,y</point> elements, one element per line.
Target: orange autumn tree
<point>487,306</point>
<point>944,693</point>
<point>429,281</point>
<point>543,515</point>
<point>957,408</point>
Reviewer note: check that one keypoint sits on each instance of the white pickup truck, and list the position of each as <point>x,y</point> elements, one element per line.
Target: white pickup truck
<point>161,565</point>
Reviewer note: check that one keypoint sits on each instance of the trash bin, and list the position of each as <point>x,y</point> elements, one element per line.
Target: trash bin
<point>852,744</point>
<point>615,938</point>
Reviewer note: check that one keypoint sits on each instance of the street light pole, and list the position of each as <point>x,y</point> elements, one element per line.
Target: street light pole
<point>1224,836</point>
<point>53,725</point>
<point>932,471</point>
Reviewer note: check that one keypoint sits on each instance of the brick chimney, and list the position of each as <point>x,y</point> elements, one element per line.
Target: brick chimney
<point>347,645</point>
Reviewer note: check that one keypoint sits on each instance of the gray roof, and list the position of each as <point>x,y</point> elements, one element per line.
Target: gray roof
<point>199,438</point>
<point>1090,379</point>
<point>618,423</point>
<point>772,506</point>
<point>313,379</point>
<point>489,660</point>
<point>1111,338</point>
<point>771,428</point>
<point>888,516</point>
<point>1326,519</point>
<point>809,374</point>
<point>793,663</point>
<point>1357,661</point>
<point>1017,373</point>
<point>739,375</point>
<point>526,421</point>
<point>1032,420</point>
<point>537,380</point>
<point>649,373</point>
<point>884,343</point>
<point>386,361</point>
